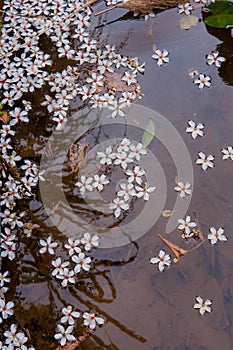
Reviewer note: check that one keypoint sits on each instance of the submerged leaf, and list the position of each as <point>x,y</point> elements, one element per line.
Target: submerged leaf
<point>188,21</point>
<point>148,134</point>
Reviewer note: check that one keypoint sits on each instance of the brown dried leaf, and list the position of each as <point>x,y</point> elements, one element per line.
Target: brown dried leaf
<point>167,212</point>
<point>4,117</point>
<point>113,82</point>
<point>178,251</point>
<point>76,155</point>
<point>176,180</point>
<point>198,232</point>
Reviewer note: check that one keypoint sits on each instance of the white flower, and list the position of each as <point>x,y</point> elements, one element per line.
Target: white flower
<point>47,245</point>
<point>6,309</point>
<point>118,205</point>
<point>143,192</point>
<point>84,184</point>
<point>90,320</point>
<point>88,241</point>
<point>162,259</point>
<point>196,130</point>
<point>64,335</point>
<point>117,107</point>
<point>59,266</point>
<point>161,56</point>
<point>106,157</point>
<point>135,175</point>
<point>127,190</point>
<point>129,78</point>
<point>185,8</point>
<point>205,162</point>
<point>214,58</point>
<point>186,224</point>
<point>123,159</point>
<point>216,235</point>
<point>203,306</point>
<point>183,188</point>
<point>73,246</point>
<point>100,182</point>
<point>124,145</point>
<point>81,262</point>
<point>66,276</point>
<point>227,153</point>
<point>69,315</point>
<point>137,151</point>
<point>203,80</point>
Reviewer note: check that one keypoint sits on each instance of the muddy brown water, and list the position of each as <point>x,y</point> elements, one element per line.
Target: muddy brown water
<point>145,309</point>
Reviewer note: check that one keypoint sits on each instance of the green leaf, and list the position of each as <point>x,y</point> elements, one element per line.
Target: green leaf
<point>221,14</point>
<point>1,106</point>
<point>148,134</point>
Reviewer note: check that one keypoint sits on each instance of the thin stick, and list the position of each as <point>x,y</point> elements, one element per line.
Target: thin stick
<point>107,10</point>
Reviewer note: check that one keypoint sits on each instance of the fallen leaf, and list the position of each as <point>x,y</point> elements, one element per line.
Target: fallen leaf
<point>148,134</point>
<point>113,82</point>
<point>167,212</point>
<point>178,251</point>
<point>4,117</point>
<point>198,233</point>
<point>176,180</point>
<point>188,21</point>
<point>76,155</point>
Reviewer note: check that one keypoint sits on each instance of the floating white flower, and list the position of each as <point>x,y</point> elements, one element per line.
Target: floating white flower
<point>186,224</point>
<point>69,315</point>
<point>89,241</point>
<point>106,157</point>
<point>195,129</point>
<point>183,189</point>
<point>161,57</point>
<point>135,175</point>
<point>185,8</point>
<point>47,245</point>
<point>205,161</point>
<point>216,235</point>
<point>162,259</point>
<point>214,58</point>
<point>203,306</point>
<point>90,320</point>
<point>227,153</point>
<point>82,262</point>
<point>127,190</point>
<point>100,182</point>
<point>143,192</point>
<point>6,308</point>
<point>118,205</point>
<point>202,81</point>
<point>64,335</point>
<point>84,184</point>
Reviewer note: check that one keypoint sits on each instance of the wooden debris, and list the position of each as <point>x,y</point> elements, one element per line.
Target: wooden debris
<point>74,345</point>
<point>144,6</point>
<point>76,156</point>
<point>167,212</point>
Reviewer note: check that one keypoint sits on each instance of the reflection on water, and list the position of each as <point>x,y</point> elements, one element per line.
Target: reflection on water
<point>146,309</point>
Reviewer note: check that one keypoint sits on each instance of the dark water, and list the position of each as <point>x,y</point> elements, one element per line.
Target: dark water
<point>145,309</point>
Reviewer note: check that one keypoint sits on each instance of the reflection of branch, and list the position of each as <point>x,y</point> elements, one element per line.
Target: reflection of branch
<point>115,322</point>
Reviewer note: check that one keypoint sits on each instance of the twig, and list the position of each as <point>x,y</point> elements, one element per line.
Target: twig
<point>107,10</point>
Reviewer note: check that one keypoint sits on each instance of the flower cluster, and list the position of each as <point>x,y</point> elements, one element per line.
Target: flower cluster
<point>134,186</point>
<point>63,334</point>
<point>78,262</point>
<point>15,339</point>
